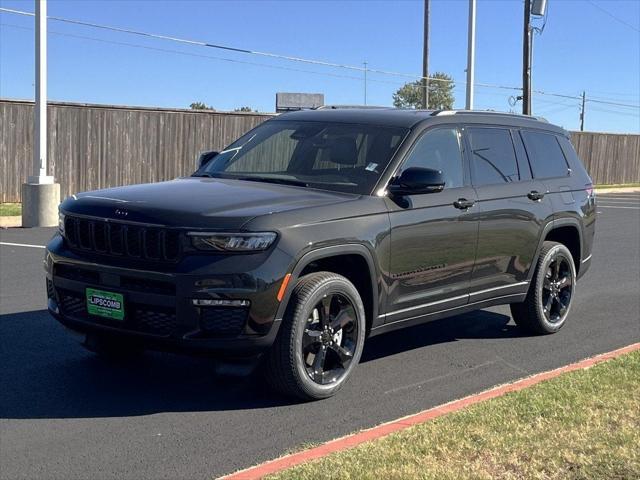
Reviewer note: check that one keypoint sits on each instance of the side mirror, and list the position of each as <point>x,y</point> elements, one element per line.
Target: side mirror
<point>416,181</point>
<point>206,157</point>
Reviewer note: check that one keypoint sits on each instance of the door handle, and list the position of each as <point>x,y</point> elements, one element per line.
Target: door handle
<point>535,195</point>
<point>463,203</point>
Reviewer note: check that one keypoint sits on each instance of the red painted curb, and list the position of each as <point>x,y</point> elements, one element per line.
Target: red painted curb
<point>350,441</point>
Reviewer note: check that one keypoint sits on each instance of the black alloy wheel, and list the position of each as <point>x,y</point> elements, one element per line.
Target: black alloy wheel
<point>330,338</point>
<point>557,288</point>
<point>320,340</point>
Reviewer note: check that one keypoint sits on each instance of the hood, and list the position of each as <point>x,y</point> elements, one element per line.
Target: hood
<point>198,202</point>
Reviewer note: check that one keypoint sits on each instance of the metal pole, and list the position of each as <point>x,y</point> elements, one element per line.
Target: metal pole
<point>526,60</point>
<point>40,113</point>
<point>425,58</point>
<point>582,111</point>
<point>471,54</point>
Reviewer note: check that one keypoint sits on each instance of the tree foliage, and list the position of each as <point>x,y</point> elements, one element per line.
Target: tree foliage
<point>244,109</point>
<point>440,93</point>
<point>200,106</point>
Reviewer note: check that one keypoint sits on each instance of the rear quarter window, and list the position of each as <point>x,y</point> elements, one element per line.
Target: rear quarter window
<point>545,155</point>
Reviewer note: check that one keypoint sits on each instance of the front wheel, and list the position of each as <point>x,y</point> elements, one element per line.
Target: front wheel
<point>551,292</point>
<point>321,338</point>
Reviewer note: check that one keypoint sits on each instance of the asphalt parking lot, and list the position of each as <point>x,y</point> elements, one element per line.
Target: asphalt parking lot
<point>66,414</point>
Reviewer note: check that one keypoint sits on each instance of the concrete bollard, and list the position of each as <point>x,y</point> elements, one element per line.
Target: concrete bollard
<point>40,204</point>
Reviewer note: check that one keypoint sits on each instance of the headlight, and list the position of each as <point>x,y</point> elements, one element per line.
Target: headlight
<point>232,242</point>
<point>61,223</point>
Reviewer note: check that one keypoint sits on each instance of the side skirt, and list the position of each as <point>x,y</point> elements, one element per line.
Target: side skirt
<point>449,312</point>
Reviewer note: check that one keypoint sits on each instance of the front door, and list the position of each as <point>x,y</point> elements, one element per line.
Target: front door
<point>433,236</point>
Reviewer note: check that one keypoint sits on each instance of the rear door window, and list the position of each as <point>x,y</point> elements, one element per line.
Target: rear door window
<point>493,157</point>
<point>545,155</point>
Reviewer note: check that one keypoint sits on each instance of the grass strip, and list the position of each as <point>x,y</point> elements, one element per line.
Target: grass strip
<point>10,209</point>
<point>581,425</point>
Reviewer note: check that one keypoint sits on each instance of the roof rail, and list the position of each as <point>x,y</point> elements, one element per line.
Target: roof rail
<point>341,107</point>
<point>441,113</point>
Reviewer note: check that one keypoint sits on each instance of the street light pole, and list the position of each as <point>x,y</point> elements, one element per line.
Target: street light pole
<point>471,54</point>
<point>40,196</point>
<point>39,172</point>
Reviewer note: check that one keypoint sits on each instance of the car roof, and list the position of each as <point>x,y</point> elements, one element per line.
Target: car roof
<point>410,118</point>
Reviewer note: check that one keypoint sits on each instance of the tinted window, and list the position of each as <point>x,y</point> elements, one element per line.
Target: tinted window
<point>545,155</point>
<point>439,150</point>
<point>334,156</point>
<point>493,156</point>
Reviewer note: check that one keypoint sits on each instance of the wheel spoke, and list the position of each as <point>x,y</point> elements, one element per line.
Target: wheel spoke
<point>310,337</point>
<point>345,316</point>
<point>325,311</point>
<point>555,269</point>
<point>344,355</point>
<point>546,284</point>
<point>548,304</point>
<point>318,365</point>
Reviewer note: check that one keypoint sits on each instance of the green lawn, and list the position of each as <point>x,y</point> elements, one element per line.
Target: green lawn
<point>582,425</point>
<point>10,209</point>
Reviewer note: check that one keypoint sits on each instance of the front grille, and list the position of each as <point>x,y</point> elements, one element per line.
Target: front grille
<point>222,321</point>
<point>138,317</point>
<point>101,236</point>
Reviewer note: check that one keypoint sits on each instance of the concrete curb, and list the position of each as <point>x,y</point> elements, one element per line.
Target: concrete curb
<point>350,441</point>
<point>617,190</point>
<point>10,221</point>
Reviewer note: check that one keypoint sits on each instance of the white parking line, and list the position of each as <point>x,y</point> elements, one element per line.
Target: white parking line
<point>9,244</point>
<point>611,206</point>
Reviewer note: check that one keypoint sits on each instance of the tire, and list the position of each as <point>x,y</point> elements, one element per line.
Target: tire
<point>112,347</point>
<point>309,360</point>
<point>548,302</point>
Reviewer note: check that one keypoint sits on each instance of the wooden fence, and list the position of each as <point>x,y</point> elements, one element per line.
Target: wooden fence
<point>99,146</point>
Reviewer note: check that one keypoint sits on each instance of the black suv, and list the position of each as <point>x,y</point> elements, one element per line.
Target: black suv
<point>320,228</point>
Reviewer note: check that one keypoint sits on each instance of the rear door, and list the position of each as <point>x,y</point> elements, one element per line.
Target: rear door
<point>433,242</point>
<point>512,208</point>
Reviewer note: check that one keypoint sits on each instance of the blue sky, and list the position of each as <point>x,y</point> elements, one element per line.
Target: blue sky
<point>582,48</point>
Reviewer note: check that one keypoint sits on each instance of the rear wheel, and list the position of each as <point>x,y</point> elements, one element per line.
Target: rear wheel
<point>320,341</point>
<point>551,292</point>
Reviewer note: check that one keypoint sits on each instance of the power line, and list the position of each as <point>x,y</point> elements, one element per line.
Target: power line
<point>277,56</point>
<point>616,18</point>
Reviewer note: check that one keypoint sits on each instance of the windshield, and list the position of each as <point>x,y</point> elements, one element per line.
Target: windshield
<point>332,156</point>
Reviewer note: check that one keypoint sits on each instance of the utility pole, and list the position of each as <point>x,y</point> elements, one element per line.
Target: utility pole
<point>40,196</point>
<point>584,95</point>
<point>526,59</point>
<point>471,54</point>
<point>425,58</point>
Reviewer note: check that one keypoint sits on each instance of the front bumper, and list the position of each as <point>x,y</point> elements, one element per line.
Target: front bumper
<point>159,309</point>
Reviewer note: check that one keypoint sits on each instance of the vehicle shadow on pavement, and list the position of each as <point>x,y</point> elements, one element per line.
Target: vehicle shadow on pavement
<point>45,373</point>
<point>480,324</point>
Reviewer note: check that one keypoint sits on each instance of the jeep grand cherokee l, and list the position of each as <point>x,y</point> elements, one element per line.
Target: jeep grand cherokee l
<point>318,229</point>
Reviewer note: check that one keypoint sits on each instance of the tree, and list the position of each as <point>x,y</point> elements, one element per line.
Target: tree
<point>440,93</point>
<point>244,109</point>
<point>200,106</point>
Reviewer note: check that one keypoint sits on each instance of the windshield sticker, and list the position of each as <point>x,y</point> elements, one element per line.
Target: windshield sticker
<point>372,167</point>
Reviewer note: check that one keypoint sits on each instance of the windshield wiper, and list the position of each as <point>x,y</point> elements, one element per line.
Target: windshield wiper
<point>282,181</point>
<point>204,174</point>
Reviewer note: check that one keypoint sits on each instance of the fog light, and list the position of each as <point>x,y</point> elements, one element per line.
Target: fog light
<point>220,303</point>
